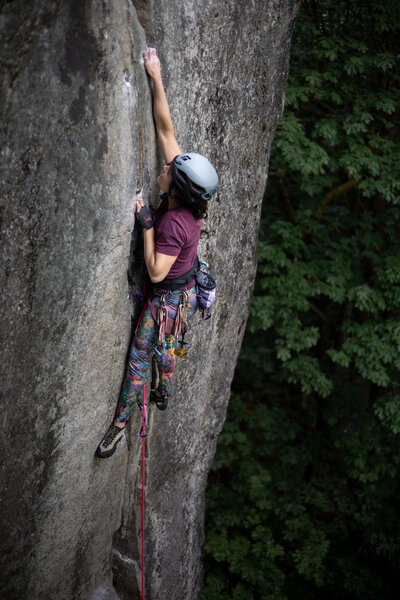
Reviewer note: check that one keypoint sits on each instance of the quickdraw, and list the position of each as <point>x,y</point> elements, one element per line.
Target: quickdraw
<point>162,321</point>
<point>144,430</point>
<point>181,326</point>
<point>172,326</point>
<point>181,351</point>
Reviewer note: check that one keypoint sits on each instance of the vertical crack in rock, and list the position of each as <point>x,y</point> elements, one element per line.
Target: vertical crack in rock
<point>144,11</point>
<point>126,557</point>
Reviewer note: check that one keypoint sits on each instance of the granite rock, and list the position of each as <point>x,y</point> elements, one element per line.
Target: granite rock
<point>77,142</point>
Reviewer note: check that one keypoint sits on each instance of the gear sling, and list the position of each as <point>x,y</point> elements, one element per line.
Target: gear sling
<point>167,325</point>
<point>205,290</point>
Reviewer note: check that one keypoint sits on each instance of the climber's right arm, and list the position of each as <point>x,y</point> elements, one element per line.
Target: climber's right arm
<point>162,116</point>
<point>158,264</point>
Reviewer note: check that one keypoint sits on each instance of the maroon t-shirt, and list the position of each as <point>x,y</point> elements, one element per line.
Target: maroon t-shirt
<point>177,234</point>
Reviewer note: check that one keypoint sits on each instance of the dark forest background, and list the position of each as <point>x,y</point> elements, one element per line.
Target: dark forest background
<point>303,498</point>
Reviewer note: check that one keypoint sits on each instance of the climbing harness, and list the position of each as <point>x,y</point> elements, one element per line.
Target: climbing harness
<point>177,326</point>
<point>177,283</point>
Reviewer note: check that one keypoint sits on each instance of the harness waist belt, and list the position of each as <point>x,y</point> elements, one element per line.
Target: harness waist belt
<point>175,283</point>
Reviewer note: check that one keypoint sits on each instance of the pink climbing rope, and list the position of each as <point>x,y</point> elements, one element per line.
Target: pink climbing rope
<point>143,481</point>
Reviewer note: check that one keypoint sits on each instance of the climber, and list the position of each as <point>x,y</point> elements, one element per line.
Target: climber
<point>170,237</point>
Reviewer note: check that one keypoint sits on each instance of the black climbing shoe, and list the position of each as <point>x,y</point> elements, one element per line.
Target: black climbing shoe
<point>108,444</point>
<point>159,398</point>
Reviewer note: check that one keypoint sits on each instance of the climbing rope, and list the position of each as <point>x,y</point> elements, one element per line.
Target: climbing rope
<point>144,425</point>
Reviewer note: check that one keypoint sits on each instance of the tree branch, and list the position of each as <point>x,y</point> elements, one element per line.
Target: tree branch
<point>338,191</point>
<point>287,205</point>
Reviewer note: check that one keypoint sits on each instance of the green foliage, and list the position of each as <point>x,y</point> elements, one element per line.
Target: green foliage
<point>303,496</point>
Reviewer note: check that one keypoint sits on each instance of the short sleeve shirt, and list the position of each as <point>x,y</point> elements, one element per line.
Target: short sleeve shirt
<point>177,234</point>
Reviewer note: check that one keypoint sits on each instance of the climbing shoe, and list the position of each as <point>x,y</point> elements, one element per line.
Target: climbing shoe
<point>108,444</point>
<point>160,399</point>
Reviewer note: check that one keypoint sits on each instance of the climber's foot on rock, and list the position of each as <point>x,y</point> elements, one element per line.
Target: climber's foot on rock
<point>108,444</point>
<point>160,399</point>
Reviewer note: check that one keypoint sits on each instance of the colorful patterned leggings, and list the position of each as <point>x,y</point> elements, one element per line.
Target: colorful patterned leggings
<point>143,347</point>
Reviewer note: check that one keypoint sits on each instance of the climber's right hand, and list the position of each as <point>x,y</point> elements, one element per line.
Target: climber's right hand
<point>143,215</point>
<point>152,63</point>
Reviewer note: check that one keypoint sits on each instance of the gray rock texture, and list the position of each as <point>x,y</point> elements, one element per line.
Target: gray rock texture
<point>77,141</point>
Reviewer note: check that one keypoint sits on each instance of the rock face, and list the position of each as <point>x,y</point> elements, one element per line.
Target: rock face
<point>77,141</point>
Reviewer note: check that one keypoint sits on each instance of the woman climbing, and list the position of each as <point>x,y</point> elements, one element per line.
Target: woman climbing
<point>170,237</point>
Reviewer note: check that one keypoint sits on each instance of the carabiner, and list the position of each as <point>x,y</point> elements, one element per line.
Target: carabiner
<point>204,266</point>
<point>157,351</point>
